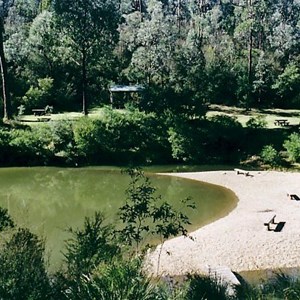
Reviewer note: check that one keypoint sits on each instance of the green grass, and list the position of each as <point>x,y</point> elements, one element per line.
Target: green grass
<point>96,113</point>
<point>270,115</point>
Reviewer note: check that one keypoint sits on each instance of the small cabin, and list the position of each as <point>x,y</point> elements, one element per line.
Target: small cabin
<point>121,94</point>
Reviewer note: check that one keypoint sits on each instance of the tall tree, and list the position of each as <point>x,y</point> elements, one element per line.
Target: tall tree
<point>90,25</point>
<point>4,8</point>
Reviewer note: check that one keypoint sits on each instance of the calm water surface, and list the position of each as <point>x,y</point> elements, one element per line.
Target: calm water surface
<point>49,200</point>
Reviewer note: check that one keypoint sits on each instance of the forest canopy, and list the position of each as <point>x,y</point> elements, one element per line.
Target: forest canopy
<point>187,53</point>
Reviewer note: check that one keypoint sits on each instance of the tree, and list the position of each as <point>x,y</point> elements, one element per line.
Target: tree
<point>143,213</point>
<point>91,27</point>
<point>4,7</point>
<point>136,212</point>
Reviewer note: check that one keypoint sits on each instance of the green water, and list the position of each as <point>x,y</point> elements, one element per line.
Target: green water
<point>49,200</point>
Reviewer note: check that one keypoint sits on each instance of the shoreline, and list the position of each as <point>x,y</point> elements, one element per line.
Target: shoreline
<point>239,240</point>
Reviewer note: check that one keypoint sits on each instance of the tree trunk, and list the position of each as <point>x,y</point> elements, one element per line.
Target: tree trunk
<point>84,83</point>
<point>250,56</point>
<point>250,45</point>
<point>3,69</point>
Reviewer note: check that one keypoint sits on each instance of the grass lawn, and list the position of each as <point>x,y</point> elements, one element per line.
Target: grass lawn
<point>34,120</point>
<point>270,115</point>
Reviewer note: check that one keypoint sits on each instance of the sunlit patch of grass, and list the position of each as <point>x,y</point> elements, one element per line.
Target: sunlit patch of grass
<point>270,115</point>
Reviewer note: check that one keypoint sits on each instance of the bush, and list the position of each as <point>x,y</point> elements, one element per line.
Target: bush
<point>120,137</point>
<point>31,146</point>
<point>5,148</point>
<point>270,155</point>
<point>224,138</point>
<point>257,122</point>
<point>5,219</point>
<point>41,95</point>
<point>23,274</point>
<point>292,146</point>
<point>90,139</point>
<point>63,139</point>
<point>202,287</point>
<point>90,246</point>
<point>121,279</point>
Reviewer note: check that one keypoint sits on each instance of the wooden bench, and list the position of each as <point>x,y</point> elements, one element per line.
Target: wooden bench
<point>272,221</point>
<point>39,111</point>
<point>240,171</point>
<point>294,197</point>
<point>281,122</point>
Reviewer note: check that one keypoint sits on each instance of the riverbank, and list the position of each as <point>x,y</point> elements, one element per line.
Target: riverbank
<point>240,240</point>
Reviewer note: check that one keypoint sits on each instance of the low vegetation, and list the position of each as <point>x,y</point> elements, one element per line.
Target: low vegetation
<point>134,137</point>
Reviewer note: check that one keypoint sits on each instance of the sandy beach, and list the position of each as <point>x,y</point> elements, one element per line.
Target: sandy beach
<point>240,240</point>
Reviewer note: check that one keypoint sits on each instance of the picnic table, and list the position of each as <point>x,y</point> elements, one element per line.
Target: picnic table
<point>39,111</point>
<point>281,122</point>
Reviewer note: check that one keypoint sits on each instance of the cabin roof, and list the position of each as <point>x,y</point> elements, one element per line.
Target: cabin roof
<point>126,88</point>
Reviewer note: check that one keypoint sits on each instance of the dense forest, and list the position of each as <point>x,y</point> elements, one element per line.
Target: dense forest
<point>186,53</point>
<point>186,56</point>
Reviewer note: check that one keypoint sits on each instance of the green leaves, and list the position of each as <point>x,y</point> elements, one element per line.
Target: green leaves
<point>90,246</point>
<point>5,219</point>
<point>144,213</point>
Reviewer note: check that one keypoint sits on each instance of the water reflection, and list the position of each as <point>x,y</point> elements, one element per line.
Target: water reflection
<point>48,200</point>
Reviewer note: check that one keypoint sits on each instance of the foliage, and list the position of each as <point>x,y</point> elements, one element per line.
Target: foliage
<point>5,219</point>
<point>287,83</point>
<point>90,26</point>
<point>31,146</point>
<point>39,96</point>
<point>201,287</point>
<point>270,155</point>
<point>120,279</point>
<point>144,213</point>
<point>23,274</point>
<point>224,138</point>
<point>137,209</point>
<point>257,122</point>
<point>120,137</point>
<point>292,146</point>
<point>89,246</point>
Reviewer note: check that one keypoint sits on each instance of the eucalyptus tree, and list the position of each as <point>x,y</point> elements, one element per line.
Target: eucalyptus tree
<point>154,46</point>
<point>91,26</point>
<point>5,5</point>
<point>19,16</point>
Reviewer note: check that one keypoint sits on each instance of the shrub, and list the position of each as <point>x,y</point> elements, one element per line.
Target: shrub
<point>257,122</point>
<point>5,219</point>
<point>41,95</point>
<point>89,137</point>
<point>224,138</point>
<point>203,287</point>
<point>292,146</point>
<point>31,146</point>
<point>23,274</point>
<point>5,149</point>
<point>63,139</point>
<point>270,155</point>
<point>89,246</point>
<point>121,279</point>
<point>120,137</point>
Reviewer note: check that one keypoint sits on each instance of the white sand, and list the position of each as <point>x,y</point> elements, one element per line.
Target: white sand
<point>240,240</point>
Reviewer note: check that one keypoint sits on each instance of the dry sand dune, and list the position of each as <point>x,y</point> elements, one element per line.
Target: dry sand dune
<point>240,240</point>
